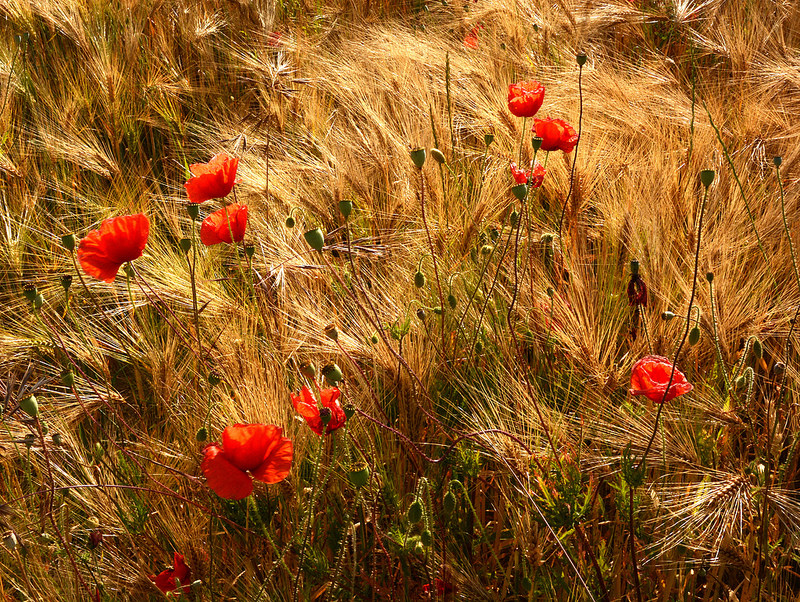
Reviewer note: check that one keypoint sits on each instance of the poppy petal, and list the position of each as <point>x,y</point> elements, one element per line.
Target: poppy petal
<point>217,227</point>
<point>278,459</point>
<point>223,477</point>
<point>247,445</point>
<point>212,180</point>
<point>120,239</point>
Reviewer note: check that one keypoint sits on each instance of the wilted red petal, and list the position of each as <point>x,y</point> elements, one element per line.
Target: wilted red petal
<point>278,458</point>
<point>520,176</point>
<point>119,240</point>
<point>537,175</point>
<point>217,227</point>
<point>212,180</point>
<point>650,375</point>
<point>165,580</point>
<point>525,98</point>
<point>223,477</point>
<point>307,407</point>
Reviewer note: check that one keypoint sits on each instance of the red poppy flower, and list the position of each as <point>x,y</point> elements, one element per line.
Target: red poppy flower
<point>520,176</point>
<point>248,451</point>
<point>442,587</point>
<point>650,376</point>
<point>307,407</point>
<point>217,227</point>
<point>525,98</point>
<point>471,39</point>
<point>119,240</point>
<point>556,134</point>
<point>533,178</point>
<point>212,180</point>
<point>637,291</point>
<point>165,580</point>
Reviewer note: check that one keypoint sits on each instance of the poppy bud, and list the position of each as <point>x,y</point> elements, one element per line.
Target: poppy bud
<point>421,314</point>
<point>249,250</point>
<point>359,475</point>
<point>44,427</point>
<point>346,208</point>
<point>514,218</point>
<point>419,279</point>
<point>438,156</point>
<point>10,541</point>
<point>95,538</point>
<point>193,209</point>
<point>68,242</point>
<point>30,406</point>
<point>214,378</point>
<point>667,316</point>
<point>449,502</point>
<point>486,250</point>
<point>694,336</point>
<point>749,374</point>
<point>66,281</point>
<point>29,291</point>
<point>414,514</point>
<point>28,440</point>
<point>550,292</point>
<point>478,347</point>
<point>437,310</point>
<point>201,434</point>
<point>290,222</point>
<point>185,244</point>
<point>581,59</point>
<point>349,411</point>
<point>520,191</point>
<point>706,177</point>
<point>426,538</point>
<point>67,377</point>
<point>332,373</point>
<point>488,139</point>
<point>374,339</point>
<point>758,350</point>
<point>739,383</point>
<point>710,277</point>
<point>419,549</point>
<point>418,157</point>
<point>331,332</point>
<point>452,301</point>
<point>38,301</point>
<point>634,267</point>
<point>537,142</point>
<point>315,239</point>
<point>57,439</point>
<point>777,161</point>
<point>308,370</point>
<point>779,368</point>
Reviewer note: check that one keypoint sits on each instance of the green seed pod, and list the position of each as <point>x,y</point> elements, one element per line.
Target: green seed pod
<point>418,157</point>
<point>196,586</point>
<point>309,370</point>
<point>414,514</point>
<point>249,250</point>
<point>421,314</point>
<point>694,336</point>
<point>29,291</point>
<point>777,161</point>
<point>331,332</point>
<point>449,502</point>
<point>28,440</point>
<point>514,218</point>
<point>520,191</point>
<point>419,279</point>
<point>214,378</point>
<point>193,209</point>
<point>634,267</point>
<point>67,377</point>
<point>740,382</point>
<point>92,523</point>
<point>374,339</point>
<point>325,415</point>
<point>30,406</point>
<point>581,59</point>
<point>537,142</point>
<point>426,538</point>
<point>438,156</point>
<point>66,281</point>
<point>359,475</point>
<point>706,177</point>
<point>201,434</point>
<point>68,242</point>
<point>315,239</point>
<point>57,440</point>
<point>44,427</point>
<point>488,139</point>
<point>346,208</point>
<point>349,411</point>
<point>290,222</point>
<point>667,316</point>
<point>452,301</point>
<point>758,350</point>
<point>710,277</point>
<point>185,244</point>
<point>333,374</point>
<point>527,584</point>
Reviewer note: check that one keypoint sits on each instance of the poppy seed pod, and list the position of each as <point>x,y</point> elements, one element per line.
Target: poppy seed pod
<point>581,59</point>
<point>290,222</point>
<point>325,415</point>
<point>706,177</point>
<point>29,291</point>
<point>438,156</point>
<point>67,377</point>
<point>634,267</point>
<point>419,279</point>
<point>332,373</point>
<point>710,277</point>
<point>694,336</point>
<point>486,250</point>
<point>418,157</point>
<point>536,142</point>
<point>193,209</point>
<point>66,281</point>
<point>28,440</point>
<point>488,139</point>
<point>777,161</point>
<point>421,314</point>
<point>68,241</point>
<point>331,332</point>
<point>308,370</point>
<point>359,475</point>
<point>478,347</point>
<point>201,434</point>
<point>520,191</point>
<point>185,244</point>
<point>30,406</point>
<point>315,239</point>
<point>346,208</point>
<point>214,378</point>
<point>249,250</point>
<point>349,411</point>
<point>414,514</point>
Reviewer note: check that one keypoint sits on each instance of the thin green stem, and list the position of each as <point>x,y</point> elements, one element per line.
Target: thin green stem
<point>310,519</point>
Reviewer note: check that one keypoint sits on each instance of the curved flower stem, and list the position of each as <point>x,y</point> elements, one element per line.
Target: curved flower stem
<point>574,160</point>
<point>310,520</point>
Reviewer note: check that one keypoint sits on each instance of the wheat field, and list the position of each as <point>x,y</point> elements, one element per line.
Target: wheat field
<point>489,406</point>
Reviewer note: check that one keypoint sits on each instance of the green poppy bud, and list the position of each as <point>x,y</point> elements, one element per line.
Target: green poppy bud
<point>437,310</point>
<point>290,222</point>
<point>449,502</point>
<point>419,549</point>
<point>426,538</point>
<point>488,139</point>
<point>706,177</point>
<point>346,208</point>
<point>308,370</point>
<point>520,191</point>
<point>57,439</point>
<point>196,586</point>
<point>68,242</point>
<point>710,277</point>
<point>185,244</point>
<point>438,156</point>
<point>315,239</point>
<point>758,350</point>
<point>414,514</point>
<point>550,292</point>
<point>694,336</point>
<point>30,406</point>
<point>418,157</point>
<point>779,368</point>
<point>28,440</point>
<point>201,434</point>
<point>331,332</point>
<point>514,218</point>
<point>359,475</point>
<point>193,209</point>
<point>374,339</point>
<point>419,279</point>
<point>421,314</point>
<point>44,427</point>
<point>38,301</point>
<point>452,301</point>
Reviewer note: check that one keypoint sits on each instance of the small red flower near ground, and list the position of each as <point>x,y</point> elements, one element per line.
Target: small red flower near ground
<point>556,134</point>
<point>165,580</point>
<point>212,180</point>
<point>217,227</point>
<point>119,240</point>
<point>248,451</point>
<point>537,175</point>
<point>533,178</point>
<point>650,375</point>
<point>520,176</point>
<point>525,98</point>
<point>306,406</point>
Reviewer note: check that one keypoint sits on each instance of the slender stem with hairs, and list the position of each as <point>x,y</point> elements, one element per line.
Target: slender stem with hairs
<point>574,160</point>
